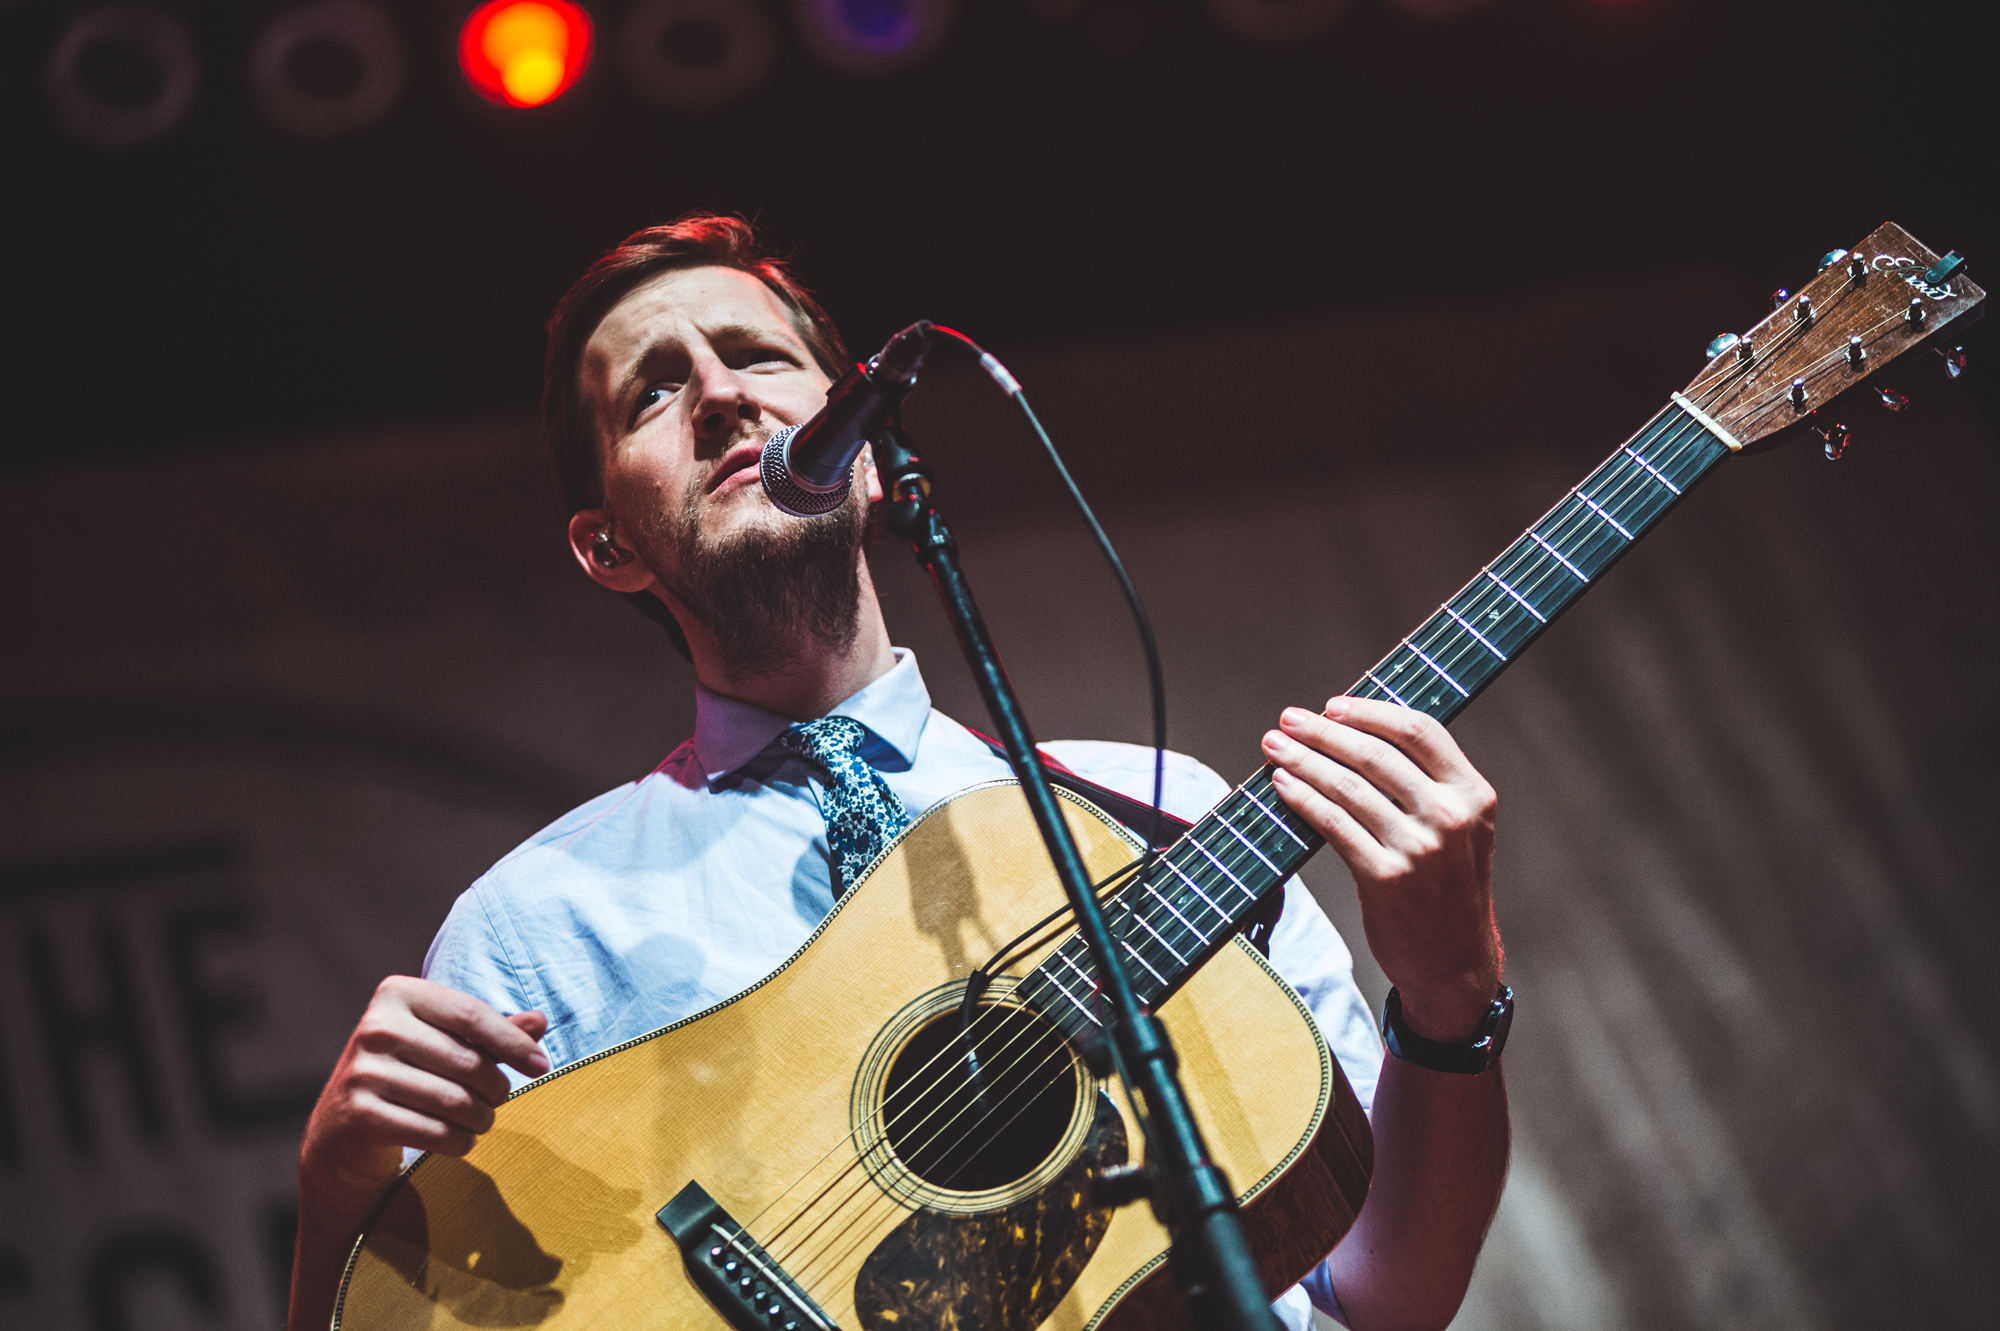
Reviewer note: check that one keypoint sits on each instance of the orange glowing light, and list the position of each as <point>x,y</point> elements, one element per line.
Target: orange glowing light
<point>524,52</point>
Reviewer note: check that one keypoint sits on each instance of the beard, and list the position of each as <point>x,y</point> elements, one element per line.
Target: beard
<point>768,595</point>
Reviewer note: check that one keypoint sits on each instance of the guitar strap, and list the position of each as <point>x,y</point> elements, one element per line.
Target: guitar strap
<point>1137,815</point>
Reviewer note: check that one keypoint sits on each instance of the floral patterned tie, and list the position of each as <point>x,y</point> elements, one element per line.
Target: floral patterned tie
<point>862,813</point>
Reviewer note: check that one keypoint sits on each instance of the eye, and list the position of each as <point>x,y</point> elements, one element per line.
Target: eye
<point>649,397</point>
<point>765,356</point>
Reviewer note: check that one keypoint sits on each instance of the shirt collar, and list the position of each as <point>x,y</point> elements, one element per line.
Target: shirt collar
<point>728,732</point>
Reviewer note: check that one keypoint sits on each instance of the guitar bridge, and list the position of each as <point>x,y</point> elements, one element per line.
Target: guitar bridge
<point>745,1284</point>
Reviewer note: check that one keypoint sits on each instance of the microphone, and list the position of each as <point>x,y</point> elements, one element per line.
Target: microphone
<point>807,469</point>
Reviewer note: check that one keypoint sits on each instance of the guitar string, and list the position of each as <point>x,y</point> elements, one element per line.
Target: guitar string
<point>1623,475</point>
<point>1569,527</point>
<point>1112,881</point>
<point>1745,367</point>
<point>1788,332</point>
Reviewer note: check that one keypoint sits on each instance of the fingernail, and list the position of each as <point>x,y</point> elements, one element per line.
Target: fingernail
<point>1275,740</point>
<point>1295,716</point>
<point>1337,707</point>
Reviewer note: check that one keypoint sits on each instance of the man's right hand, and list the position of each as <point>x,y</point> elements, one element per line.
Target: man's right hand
<point>421,1070</point>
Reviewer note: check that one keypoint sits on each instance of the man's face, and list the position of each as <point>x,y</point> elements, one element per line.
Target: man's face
<point>686,378</point>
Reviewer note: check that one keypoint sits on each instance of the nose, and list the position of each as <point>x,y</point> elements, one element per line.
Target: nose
<point>725,403</point>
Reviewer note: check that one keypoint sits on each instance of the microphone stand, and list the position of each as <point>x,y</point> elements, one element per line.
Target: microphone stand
<point>1212,1263</point>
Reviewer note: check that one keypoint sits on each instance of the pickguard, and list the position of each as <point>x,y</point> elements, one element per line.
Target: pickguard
<point>1005,1270</point>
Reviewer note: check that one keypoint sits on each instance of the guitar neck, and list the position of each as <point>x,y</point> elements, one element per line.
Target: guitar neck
<point>1209,880</point>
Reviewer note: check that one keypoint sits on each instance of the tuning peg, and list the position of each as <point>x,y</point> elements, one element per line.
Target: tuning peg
<point>1779,297</point>
<point>1954,360</point>
<point>1837,438</point>
<point>1916,314</point>
<point>1718,345</point>
<point>1804,313</point>
<point>1798,393</point>
<point>1857,267</point>
<point>1856,354</point>
<point>1831,258</point>
<point>1893,400</point>
<point>1746,350</point>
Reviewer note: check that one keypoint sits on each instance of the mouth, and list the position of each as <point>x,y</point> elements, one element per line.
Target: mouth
<point>737,468</point>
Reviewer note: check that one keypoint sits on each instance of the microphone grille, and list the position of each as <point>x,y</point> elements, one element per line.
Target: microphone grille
<point>786,493</point>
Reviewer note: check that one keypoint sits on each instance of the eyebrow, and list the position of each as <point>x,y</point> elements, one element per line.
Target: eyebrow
<point>742,332</point>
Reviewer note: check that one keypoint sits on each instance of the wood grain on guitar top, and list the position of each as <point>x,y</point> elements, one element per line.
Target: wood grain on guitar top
<point>549,1220</point>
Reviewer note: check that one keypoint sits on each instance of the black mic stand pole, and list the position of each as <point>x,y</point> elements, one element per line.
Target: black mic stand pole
<point>1212,1262</point>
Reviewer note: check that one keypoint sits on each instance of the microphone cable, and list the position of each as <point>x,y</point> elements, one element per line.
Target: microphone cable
<point>1156,678</point>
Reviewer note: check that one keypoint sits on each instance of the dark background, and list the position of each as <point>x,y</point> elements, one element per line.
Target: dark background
<point>293,648</point>
<point>1130,166</point>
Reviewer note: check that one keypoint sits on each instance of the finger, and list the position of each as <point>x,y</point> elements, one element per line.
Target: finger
<point>398,1125</point>
<point>423,1093</point>
<point>1383,765</point>
<point>388,1031</point>
<point>478,1025</point>
<point>532,1024</point>
<point>1335,781</point>
<point>1427,743</point>
<point>1366,856</point>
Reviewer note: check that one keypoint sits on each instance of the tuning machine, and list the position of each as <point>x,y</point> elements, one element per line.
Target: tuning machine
<point>1954,360</point>
<point>1836,437</point>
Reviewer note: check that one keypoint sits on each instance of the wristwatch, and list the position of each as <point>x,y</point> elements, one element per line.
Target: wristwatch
<point>1474,1056</point>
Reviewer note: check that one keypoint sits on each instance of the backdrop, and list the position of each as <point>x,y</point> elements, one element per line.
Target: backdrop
<point>266,711</point>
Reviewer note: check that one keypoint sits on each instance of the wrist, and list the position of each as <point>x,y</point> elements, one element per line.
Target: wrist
<point>1478,1052</point>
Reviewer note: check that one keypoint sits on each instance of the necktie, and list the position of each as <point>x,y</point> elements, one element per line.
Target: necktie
<point>862,813</point>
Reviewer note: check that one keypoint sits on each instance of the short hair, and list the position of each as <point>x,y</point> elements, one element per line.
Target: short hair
<point>695,240</point>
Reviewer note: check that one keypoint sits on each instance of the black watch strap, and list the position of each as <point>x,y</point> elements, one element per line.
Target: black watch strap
<point>1476,1055</point>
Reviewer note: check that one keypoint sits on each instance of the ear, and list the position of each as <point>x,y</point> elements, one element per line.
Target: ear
<point>869,476</point>
<point>627,575</point>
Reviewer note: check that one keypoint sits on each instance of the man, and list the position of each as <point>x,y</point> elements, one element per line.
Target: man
<point>670,363</point>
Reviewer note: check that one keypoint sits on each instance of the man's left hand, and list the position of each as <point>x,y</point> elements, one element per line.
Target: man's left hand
<point>1392,792</point>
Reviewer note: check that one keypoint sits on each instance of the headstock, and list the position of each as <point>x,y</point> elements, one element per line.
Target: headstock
<point>1864,311</point>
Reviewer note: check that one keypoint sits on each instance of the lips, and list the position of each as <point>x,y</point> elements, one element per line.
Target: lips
<point>738,467</point>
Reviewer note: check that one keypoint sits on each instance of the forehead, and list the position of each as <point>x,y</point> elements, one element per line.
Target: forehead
<point>677,309</point>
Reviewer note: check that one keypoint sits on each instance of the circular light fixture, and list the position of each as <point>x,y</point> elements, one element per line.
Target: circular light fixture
<point>524,52</point>
<point>121,76</point>
<point>872,37</point>
<point>694,55</point>
<point>326,69</point>
<point>1273,22</point>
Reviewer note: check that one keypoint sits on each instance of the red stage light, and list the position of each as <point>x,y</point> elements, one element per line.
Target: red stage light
<point>524,52</point>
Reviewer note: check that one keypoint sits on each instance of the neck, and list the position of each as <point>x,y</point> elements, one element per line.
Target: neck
<point>817,680</point>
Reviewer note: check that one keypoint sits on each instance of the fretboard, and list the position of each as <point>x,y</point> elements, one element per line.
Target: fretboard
<point>1250,843</point>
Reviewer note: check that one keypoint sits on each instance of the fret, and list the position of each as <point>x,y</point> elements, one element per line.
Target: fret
<point>1561,558</point>
<point>1248,843</point>
<point>1501,583</point>
<point>1454,654</point>
<point>1602,514</point>
<point>1194,839</point>
<point>1654,470</point>
<point>1466,624</point>
<point>1139,957</point>
<point>1282,825</point>
<point>1195,887</point>
<point>1164,900</point>
<point>1393,696</point>
<point>1063,989</point>
<point>1440,670</point>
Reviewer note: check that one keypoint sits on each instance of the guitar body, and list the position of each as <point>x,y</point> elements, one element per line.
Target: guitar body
<point>774,1103</point>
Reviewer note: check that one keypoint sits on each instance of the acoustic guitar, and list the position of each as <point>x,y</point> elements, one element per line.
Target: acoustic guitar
<point>853,1143</point>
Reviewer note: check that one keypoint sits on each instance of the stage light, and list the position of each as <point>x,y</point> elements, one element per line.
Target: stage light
<point>1273,22</point>
<point>326,69</point>
<point>871,37</point>
<point>693,55</point>
<point>121,76</point>
<point>524,52</point>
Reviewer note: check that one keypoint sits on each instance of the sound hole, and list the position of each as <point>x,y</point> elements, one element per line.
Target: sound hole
<point>976,1123</point>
